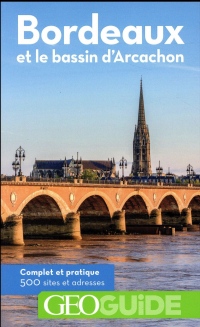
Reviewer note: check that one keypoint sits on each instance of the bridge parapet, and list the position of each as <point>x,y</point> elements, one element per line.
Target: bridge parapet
<point>97,184</point>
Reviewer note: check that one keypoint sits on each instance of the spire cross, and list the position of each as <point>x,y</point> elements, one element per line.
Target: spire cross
<point>141,113</point>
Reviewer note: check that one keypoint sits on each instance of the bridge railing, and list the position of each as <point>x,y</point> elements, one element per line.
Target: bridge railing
<point>72,180</point>
<point>99,181</point>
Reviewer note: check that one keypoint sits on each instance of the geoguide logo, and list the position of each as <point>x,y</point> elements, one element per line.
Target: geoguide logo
<point>119,304</point>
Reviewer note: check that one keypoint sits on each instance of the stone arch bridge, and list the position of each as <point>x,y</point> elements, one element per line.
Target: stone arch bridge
<point>61,209</point>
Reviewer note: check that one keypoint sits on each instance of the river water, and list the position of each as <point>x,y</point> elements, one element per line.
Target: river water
<point>142,262</point>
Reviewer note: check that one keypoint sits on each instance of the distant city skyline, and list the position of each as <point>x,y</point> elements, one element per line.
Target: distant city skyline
<point>54,110</point>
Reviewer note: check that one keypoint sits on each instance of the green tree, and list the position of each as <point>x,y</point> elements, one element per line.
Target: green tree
<point>89,174</point>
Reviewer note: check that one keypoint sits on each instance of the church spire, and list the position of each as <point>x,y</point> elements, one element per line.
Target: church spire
<point>141,142</point>
<point>141,113</point>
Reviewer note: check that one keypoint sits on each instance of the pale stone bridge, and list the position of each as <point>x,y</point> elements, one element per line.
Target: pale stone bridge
<point>61,209</point>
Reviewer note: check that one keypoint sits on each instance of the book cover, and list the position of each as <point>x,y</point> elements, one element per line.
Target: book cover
<point>100,170</point>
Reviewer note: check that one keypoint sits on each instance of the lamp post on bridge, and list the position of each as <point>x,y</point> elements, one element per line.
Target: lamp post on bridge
<point>159,171</point>
<point>123,164</point>
<point>169,175</point>
<point>17,164</point>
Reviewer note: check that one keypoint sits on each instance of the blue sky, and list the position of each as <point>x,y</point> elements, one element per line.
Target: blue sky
<point>55,110</point>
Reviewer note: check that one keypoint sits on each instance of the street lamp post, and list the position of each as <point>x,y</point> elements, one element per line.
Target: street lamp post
<point>123,164</point>
<point>159,171</point>
<point>17,164</point>
<point>190,172</point>
<point>168,175</point>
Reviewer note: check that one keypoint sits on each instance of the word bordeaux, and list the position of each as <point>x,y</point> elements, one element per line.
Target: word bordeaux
<point>109,34</point>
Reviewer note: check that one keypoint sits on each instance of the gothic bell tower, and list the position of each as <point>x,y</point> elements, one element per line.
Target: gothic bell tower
<point>141,143</point>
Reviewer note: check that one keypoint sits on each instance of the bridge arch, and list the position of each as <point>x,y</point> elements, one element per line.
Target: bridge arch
<point>95,213</point>
<point>64,209</point>
<point>194,195</point>
<point>104,196</point>
<point>176,198</point>
<point>146,200</point>
<point>171,207</point>
<point>194,204</point>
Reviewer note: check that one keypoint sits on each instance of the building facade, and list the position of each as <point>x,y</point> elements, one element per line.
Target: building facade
<point>67,168</point>
<point>141,143</point>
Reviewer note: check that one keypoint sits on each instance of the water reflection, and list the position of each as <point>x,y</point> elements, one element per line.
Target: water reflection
<point>127,259</point>
<point>40,254</point>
